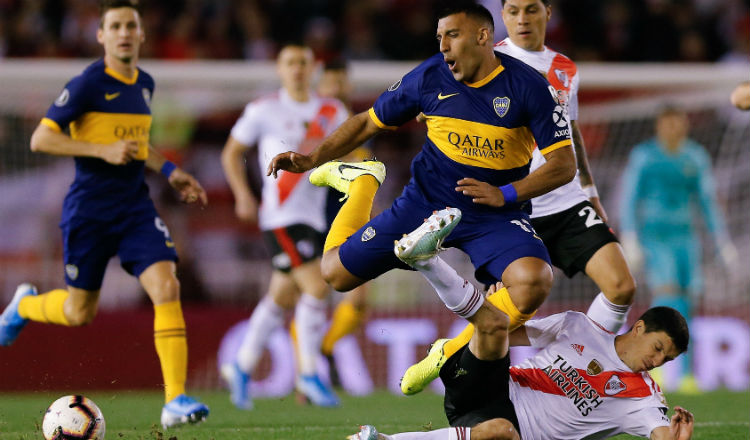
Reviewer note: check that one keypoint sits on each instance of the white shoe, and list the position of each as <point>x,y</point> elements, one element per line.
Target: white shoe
<point>366,432</point>
<point>425,241</point>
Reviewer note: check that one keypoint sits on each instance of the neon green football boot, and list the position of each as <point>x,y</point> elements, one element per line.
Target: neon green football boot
<point>419,375</point>
<point>340,175</point>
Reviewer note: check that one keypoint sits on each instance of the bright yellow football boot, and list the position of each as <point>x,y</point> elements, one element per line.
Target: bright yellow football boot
<point>419,375</point>
<point>340,175</point>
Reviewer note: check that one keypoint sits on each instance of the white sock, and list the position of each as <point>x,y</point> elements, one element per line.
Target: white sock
<point>310,319</point>
<point>267,317</point>
<point>458,294</point>
<point>457,433</point>
<point>608,315</point>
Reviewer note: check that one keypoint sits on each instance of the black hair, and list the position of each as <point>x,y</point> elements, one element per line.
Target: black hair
<point>470,8</point>
<point>295,42</point>
<point>671,322</point>
<point>106,5</point>
<point>546,2</point>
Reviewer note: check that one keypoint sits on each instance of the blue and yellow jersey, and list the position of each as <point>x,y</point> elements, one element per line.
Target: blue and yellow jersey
<point>102,106</point>
<point>486,130</point>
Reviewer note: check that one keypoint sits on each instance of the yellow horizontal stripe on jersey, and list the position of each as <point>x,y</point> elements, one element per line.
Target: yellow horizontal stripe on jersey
<point>51,124</point>
<point>481,145</point>
<point>556,146</point>
<point>106,128</point>
<point>377,120</point>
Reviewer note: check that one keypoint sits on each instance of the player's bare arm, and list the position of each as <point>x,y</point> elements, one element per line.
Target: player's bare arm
<point>680,427</point>
<point>47,140</point>
<point>351,134</point>
<point>232,160</point>
<point>584,172</point>
<point>559,169</point>
<point>183,182</point>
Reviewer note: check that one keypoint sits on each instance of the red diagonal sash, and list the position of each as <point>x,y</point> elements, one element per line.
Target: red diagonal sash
<point>316,131</point>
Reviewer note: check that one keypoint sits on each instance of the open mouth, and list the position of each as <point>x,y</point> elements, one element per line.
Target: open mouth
<point>451,63</point>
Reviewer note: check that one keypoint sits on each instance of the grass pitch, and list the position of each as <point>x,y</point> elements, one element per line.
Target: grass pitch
<point>135,415</point>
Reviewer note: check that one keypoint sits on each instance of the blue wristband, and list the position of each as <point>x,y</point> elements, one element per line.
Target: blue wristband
<point>167,168</point>
<point>509,193</point>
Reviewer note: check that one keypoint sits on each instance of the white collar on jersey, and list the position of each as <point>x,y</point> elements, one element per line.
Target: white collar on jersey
<point>533,53</point>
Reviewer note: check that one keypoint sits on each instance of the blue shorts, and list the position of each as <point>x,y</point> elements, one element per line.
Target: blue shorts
<point>491,240</point>
<point>139,239</point>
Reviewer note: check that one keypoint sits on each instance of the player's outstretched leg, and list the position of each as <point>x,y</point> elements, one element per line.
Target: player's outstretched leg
<point>182,410</point>
<point>340,175</point>
<point>366,432</point>
<point>425,241</point>
<point>419,375</point>
<point>11,323</point>
<point>238,383</point>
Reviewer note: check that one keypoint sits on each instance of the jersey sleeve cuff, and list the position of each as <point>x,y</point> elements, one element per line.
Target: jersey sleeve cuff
<point>377,120</point>
<point>555,146</point>
<point>51,124</point>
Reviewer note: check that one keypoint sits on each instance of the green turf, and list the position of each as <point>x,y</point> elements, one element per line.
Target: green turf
<point>134,415</point>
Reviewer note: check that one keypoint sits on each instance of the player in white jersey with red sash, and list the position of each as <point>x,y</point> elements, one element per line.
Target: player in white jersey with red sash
<point>562,74</point>
<point>277,122</point>
<point>291,217</point>
<point>584,383</point>
<point>569,219</point>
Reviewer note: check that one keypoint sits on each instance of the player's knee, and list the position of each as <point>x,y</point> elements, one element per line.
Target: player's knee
<point>622,291</point>
<point>335,280</point>
<point>532,286</point>
<point>335,275</point>
<point>168,289</point>
<point>495,429</point>
<point>285,300</point>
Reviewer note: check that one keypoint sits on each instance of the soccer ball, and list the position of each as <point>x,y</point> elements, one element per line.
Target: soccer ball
<point>73,417</point>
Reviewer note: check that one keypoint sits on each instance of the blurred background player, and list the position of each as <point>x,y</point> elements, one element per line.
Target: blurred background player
<point>292,218</point>
<point>668,185</point>
<point>570,219</point>
<point>108,210</point>
<point>349,312</point>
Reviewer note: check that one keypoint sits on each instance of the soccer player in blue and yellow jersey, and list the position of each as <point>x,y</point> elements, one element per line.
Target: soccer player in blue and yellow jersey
<point>485,112</point>
<point>107,210</point>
